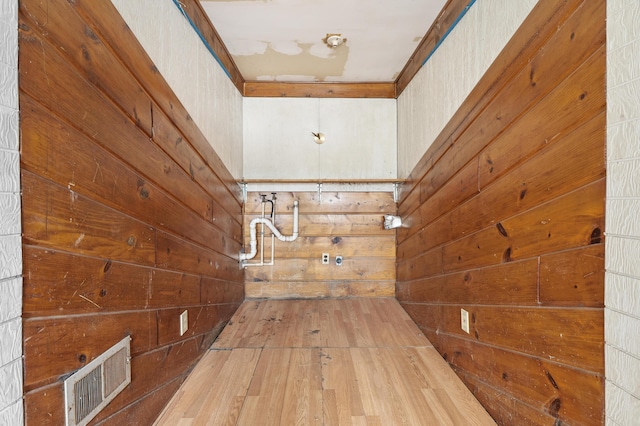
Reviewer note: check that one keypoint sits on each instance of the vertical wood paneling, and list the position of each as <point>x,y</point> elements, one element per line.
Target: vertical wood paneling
<point>347,224</point>
<point>519,243</point>
<point>129,216</point>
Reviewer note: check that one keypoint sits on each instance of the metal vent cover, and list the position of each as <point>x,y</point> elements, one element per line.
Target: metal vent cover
<point>90,389</point>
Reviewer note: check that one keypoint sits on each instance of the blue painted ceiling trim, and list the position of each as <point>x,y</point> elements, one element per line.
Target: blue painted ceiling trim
<point>453,25</point>
<point>195,28</point>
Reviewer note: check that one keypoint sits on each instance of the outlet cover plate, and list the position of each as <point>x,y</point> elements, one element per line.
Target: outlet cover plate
<point>325,258</point>
<point>464,320</point>
<point>184,322</point>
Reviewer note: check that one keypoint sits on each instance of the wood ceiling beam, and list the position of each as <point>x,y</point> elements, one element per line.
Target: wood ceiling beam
<point>319,90</point>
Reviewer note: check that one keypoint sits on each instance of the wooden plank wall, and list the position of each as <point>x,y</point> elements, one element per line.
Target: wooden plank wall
<point>507,214</point>
<point>341,223</point>
<point>129,216</point>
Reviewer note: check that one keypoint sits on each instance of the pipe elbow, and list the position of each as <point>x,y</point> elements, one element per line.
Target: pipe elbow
<point>291,237</point>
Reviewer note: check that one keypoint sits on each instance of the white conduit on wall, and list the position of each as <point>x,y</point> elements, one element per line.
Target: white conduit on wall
<point>266,221</point>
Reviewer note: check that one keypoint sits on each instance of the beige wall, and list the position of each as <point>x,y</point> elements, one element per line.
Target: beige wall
<point>360,138</point>
<point>622,282</point>
<point>199,82</point>
<point>443,83</point>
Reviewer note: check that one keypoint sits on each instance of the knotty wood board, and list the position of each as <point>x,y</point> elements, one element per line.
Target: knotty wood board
<point>318,289</point>
<point>108,25</point>
<point>514,283</point>
<point>95,63</point>
<point>549,386</point>
<point>328,202</point>
<point>544,21</point>
<point>534,131</point>
<point>88,169</point>
<point>347,245</point>
<point>323,362</point>
<point>348,224</point>
<point>76,285</point>
<point>110,160</point>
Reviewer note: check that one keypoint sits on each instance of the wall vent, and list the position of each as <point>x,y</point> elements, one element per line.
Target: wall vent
<point>91,388</point>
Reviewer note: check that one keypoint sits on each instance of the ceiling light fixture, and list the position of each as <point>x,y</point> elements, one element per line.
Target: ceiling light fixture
<point>334,40</point>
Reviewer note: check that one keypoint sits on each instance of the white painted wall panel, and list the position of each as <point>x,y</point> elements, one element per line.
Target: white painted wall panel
<point>620,364</point>
<point>617,137</point>
<point>360,138</point>
<point>9,171</point>
<point>12,415</point>
<point>623,409</point>
<point>278,143</point>
<point>10,255</point>
<point>10,212</point>
<point>622,278</point>
<point>623,294</point>
<point>10,299</point>
<point>444,82</point>
<point>623,101</point>
<point>11,349</point>
<point>620,211</point>
<point>9,122</point>
<point>11,389</point>
<point>11,408</point>
<point>8,89</point>
<point>620,252</point>
<point>197,79</point>
<point>622,332</point>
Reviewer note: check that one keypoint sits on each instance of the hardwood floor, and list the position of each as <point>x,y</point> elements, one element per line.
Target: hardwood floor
<point>323,362</point>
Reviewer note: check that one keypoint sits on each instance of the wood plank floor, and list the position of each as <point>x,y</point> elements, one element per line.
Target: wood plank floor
<point>323,362</point>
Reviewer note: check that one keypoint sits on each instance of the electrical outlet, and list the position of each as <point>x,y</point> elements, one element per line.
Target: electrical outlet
<point>325,258</point>
<point>464,320</point>
<point>184,322</point>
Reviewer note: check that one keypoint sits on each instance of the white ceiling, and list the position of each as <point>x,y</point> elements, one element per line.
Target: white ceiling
<point>282,40</point>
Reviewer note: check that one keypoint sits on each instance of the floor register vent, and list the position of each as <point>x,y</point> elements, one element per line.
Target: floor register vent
<point>91,388</point>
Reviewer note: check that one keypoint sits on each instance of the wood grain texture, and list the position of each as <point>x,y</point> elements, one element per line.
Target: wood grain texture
<point>328,202</point>
<point>532,183</point>
<point>347,224</point>
<point>320,289</point>
<point>323,362</point>
<point>91,56</point>
<point>88,169</point>
<point>57,217</point>
<point>532,35</point>
<point>319,90</point>
<point>573,277</point>
<point>57,86</point>
<point>514,283</point>
<point>108,25</point>
<point>129,216</point>
<point>518,242</point>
